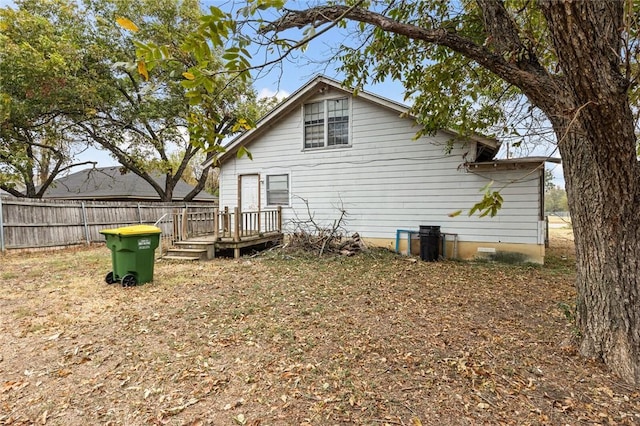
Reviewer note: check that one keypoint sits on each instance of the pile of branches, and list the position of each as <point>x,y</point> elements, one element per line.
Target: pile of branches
<point>310,236</point>
<point>327,242</point>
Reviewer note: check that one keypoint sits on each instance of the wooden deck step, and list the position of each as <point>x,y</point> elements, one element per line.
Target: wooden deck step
<point>180,253</point>
<point>181,258</point>
<point>193,244</point>
<point>205,250</point>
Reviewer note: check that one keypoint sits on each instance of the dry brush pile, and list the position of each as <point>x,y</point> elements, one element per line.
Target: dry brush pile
<point>309,235</point>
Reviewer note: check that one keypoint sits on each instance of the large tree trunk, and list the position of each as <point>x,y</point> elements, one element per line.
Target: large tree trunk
<point>606,227</point>
<point>595,132</point>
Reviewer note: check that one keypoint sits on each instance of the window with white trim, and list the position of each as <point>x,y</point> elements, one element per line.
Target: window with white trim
<point>277,190</point>
<point>326,123</point>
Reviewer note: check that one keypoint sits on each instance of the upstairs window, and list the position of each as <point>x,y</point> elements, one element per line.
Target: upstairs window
<point>314,125</point>
<point>326,123</point>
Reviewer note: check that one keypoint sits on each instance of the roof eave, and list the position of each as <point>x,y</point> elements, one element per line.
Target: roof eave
<point>490,142</point>
<point>512,163</point>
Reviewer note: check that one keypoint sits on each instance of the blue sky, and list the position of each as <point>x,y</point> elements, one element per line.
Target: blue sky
<point>292,73</point>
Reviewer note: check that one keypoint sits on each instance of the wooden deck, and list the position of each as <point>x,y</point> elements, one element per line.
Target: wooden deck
<point>229,244</point>
<point>200,235</point>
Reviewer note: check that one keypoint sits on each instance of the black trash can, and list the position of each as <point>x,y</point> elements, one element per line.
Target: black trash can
<point>429,243</point>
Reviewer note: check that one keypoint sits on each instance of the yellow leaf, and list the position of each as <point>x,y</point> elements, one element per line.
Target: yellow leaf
<point>127,24</point>
<point>188,76</point>
<point>416,422</point>
<point>245,125</point>
<point>142,70</point>
<point>241,124</point>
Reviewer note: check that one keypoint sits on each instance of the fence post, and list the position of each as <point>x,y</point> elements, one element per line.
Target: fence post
<point>546,231</point>
<point>236,224</point>
<point>139,214</point>
<point>279,219</point>
<point>227,222</point>
<point>2,248</point>
<point>216,224</point>
<point>185,224</point>
<point>175,216</point>
<point>259,221</point>
<point>86,225</point>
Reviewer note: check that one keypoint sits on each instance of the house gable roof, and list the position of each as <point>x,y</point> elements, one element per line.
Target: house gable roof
<point>319,84</point>
<point>111,183</point>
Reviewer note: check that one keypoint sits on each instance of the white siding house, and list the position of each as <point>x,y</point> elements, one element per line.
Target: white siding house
<point>336,150</point>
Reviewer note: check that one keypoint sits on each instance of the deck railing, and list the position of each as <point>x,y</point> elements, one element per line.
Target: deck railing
<point>189,223</point>
<point>237,224</point>
<point>227,223</point>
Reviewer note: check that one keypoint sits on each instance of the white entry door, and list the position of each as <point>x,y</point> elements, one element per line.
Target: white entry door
<point>250,193</point>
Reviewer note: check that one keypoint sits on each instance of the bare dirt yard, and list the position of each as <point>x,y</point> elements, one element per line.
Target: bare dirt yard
<point>286,339</point>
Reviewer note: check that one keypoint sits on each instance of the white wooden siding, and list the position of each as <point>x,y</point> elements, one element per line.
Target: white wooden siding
<point>386,180</point>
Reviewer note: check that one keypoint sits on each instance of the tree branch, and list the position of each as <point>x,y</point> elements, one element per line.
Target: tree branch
<point>528,75</point>
<point>124,159</point>
<point>221,128</point>
<point>12,191</point>
<point>499,24</point>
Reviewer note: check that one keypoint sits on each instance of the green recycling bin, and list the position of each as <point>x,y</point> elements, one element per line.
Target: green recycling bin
<point>132,253</point>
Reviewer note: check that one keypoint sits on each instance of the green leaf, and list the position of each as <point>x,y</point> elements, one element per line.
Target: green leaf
<point>208,85</point>
<point>486,187</point>
<point>490,204</point>
<point>244,151</point>
<point>194,99</point>
<point>189,84</point>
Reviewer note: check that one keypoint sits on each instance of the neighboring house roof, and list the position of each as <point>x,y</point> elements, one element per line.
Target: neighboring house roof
<point>110,183</point>
<point>6,194</point>
<point>319,84</point>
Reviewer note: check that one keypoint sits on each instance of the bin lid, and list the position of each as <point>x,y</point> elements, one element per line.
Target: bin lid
<point>133,230</point>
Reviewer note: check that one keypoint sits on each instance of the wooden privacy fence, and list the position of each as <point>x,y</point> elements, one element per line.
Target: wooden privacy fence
<point>28,223</point>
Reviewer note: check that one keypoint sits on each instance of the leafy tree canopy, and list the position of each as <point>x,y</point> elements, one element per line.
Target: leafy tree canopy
<point>42,76</point>
<point>74,66</point>
<point>555,200</point>
<point>160,103</point>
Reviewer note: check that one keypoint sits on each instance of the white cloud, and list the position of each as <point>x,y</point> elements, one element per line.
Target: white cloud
<point>265,92</point>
